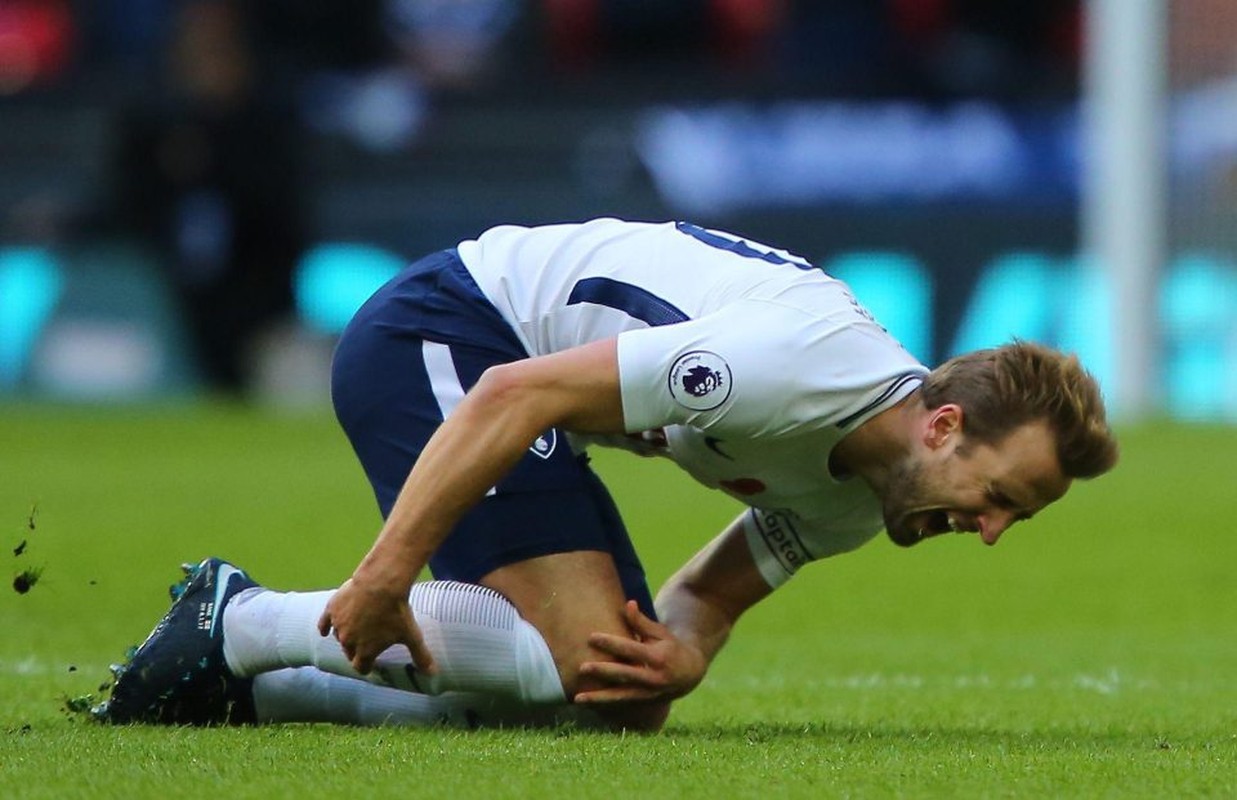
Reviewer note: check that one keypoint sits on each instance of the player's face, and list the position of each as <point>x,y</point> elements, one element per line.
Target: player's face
<point>956,486</point>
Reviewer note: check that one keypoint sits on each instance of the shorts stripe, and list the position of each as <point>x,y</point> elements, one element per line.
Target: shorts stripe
<point>444,380</point>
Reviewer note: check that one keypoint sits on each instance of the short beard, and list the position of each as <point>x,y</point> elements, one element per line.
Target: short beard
<point>905,484</point>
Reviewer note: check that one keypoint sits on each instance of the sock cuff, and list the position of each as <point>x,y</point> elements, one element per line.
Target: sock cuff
<point>455,603</point>
<point>242,637</point>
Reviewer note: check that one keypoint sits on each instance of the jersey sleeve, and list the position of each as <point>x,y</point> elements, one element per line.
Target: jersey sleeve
<point>756,368</point>
<point>782,542</point>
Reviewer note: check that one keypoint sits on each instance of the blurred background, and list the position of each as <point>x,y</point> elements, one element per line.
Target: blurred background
<point>195,195</point>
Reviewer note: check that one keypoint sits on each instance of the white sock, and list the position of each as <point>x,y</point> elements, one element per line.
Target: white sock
<point>479,641</point>
<point>307,694</point>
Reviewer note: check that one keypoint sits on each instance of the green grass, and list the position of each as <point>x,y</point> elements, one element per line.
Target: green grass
<point>1093,653</point>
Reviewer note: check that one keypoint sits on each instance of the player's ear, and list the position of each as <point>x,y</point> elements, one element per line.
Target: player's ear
<point>944,424</point>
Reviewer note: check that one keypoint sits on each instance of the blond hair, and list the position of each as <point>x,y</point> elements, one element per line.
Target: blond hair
<point>1003,388</point>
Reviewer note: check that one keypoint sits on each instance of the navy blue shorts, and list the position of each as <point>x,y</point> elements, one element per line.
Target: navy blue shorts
<point>402,363</point>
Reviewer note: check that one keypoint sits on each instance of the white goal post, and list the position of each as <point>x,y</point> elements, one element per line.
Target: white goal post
<point>1124,189</point>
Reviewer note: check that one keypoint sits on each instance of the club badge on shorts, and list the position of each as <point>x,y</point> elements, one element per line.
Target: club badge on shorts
<point>700,380</point>
<point>544,446</point>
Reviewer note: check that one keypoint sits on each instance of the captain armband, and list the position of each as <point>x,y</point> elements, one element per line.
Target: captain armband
<point>776,545</point>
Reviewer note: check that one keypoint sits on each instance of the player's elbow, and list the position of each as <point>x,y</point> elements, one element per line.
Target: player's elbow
<point>504,392</point>
<point>500,386</point>
<point>515,385</point>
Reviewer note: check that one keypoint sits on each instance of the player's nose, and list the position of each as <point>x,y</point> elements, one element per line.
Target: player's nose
<point>992,526</point>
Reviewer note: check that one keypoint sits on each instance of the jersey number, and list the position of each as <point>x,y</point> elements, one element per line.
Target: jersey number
<point>741,247</point>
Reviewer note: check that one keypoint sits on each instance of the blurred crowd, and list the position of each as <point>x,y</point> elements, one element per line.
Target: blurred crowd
<point>209,102</point>
<point>889,46</point>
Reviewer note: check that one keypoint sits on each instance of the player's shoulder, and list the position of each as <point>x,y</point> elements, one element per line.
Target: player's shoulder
<point>597,227</point>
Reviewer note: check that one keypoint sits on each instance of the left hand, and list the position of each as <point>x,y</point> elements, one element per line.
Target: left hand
<point>369,618</point>
<point>653,666</point>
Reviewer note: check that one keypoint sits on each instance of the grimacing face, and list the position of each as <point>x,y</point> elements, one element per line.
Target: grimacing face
<point>951,485</point>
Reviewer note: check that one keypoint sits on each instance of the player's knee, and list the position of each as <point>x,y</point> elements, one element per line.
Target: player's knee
<point>539,673</point>
<point>571,654</point>
<point>568,654</point>
<point>537,587</point>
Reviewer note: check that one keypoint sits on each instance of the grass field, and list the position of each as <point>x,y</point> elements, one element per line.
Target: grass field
<point>1093,653</point>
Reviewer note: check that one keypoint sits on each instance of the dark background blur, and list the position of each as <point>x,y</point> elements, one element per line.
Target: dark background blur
<point>195,193</point>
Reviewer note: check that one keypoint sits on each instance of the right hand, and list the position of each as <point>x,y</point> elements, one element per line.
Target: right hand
<point>654,666</point>
<point>367,619</point>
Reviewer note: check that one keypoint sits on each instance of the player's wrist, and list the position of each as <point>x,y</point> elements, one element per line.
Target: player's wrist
<point>383,574</point>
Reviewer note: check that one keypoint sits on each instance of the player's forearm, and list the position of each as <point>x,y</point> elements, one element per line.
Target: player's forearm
<point>701,603</point>
<point>483,439</point>
<point>695,620</point>
<point>475,447</point>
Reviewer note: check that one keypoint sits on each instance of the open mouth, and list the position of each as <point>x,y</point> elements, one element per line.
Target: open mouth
<point>937,522</point>
<point>925,525</point>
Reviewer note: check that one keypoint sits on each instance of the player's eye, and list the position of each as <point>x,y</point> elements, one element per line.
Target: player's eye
<point>1000,499</point>
<point>1004,501</point>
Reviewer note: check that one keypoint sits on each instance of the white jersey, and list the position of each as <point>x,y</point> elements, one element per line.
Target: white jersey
<point>753,362</point>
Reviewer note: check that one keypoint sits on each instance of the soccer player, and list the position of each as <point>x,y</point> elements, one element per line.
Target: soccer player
<point>470,387</point>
